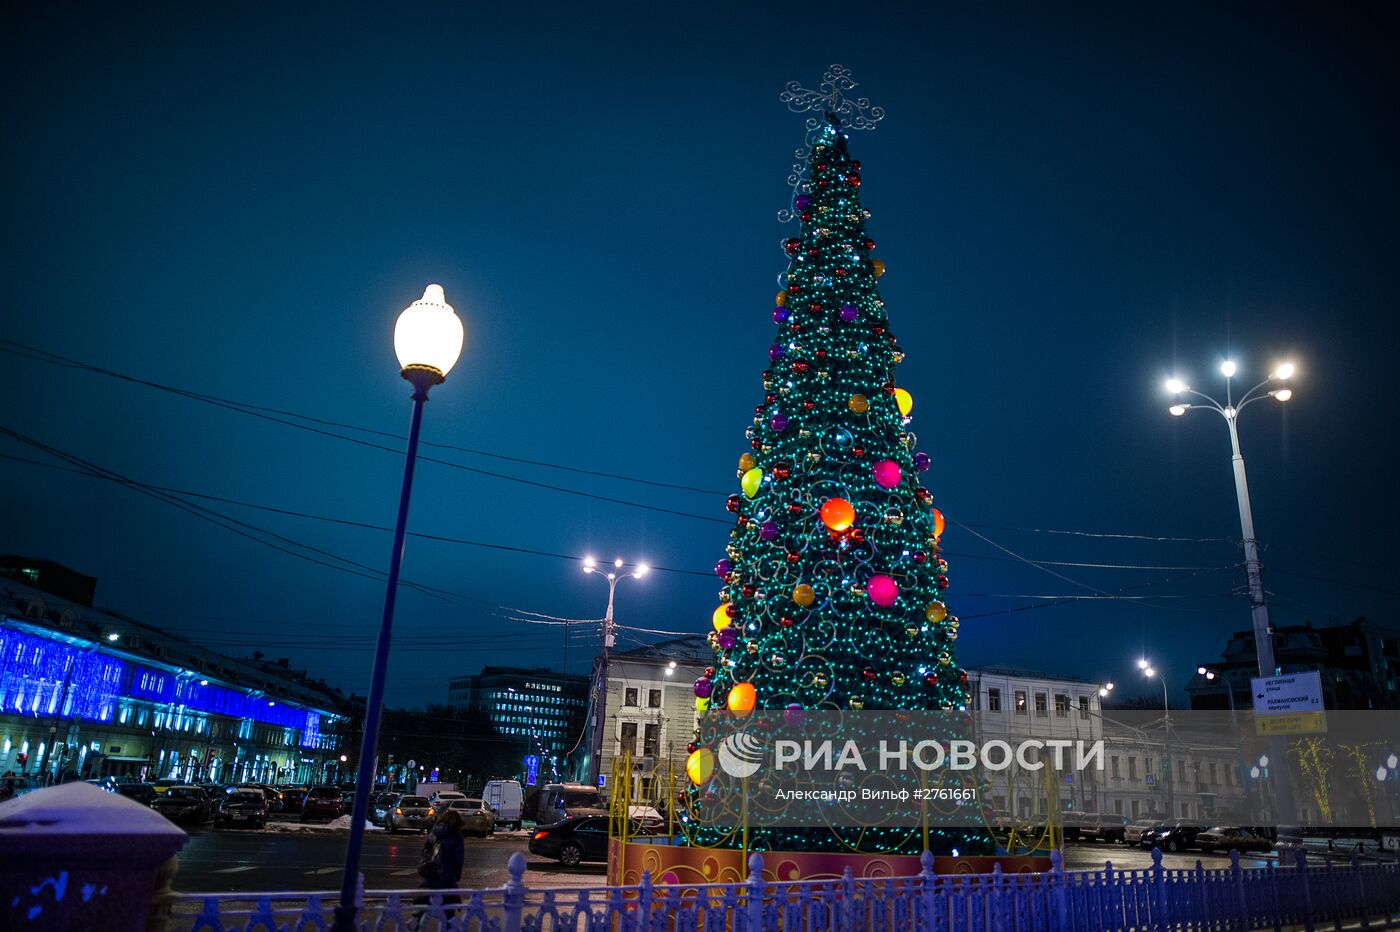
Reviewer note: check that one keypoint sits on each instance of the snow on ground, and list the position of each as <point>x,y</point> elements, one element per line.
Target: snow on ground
<point>341,824</point>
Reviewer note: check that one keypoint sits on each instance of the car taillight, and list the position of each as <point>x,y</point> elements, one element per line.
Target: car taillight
<point>539,835</point>
<point>398,811</point>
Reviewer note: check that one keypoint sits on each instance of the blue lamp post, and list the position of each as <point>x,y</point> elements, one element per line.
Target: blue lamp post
<point>427,341</point>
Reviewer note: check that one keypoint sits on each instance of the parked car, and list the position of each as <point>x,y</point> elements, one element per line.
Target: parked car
<point>1132,834</point>
<point>273,794</point>
<point>573,841</point>
<point>322,802</point>
<point>1226,838</point>
<point>293,797</point>
<point>142,793</point>
<point>438,801</point>
<point>555,802</point>
<point>505,799</point>
<point>1105,828</point>
<point>242,808</point>
<point>411,812</point>
<point>1172,838</point>
<point>379,806</point>
<point>162,785</point>
<point>104,783</point>
<point>648,817</point>
<point>183,803</point>
<point>476,818</point>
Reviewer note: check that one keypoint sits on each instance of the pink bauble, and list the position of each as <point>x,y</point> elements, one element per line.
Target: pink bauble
<point>886,474</point>
<point>882,590</point>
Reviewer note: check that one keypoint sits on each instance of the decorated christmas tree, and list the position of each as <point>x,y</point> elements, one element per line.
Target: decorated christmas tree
<point>834,586</point>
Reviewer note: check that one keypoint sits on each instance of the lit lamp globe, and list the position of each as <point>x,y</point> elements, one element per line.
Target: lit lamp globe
<point>428,337</point>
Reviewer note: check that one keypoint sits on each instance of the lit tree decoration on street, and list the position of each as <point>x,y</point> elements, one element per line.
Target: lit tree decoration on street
<point>834,586</point>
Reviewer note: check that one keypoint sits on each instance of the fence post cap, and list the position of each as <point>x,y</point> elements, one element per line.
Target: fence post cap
<point>1156,857</point>
<point>515,866</point>
<point>756,867</point>
<point>926,861</point>
<point>1234,859</point>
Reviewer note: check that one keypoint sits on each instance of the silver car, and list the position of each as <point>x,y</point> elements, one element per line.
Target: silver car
<point>477,819</point>
<point>408,812</point>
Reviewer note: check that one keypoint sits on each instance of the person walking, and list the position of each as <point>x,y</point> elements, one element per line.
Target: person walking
<point>444,852</point>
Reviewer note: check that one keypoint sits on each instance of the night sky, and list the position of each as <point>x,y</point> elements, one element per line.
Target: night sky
<point>1073,204</point>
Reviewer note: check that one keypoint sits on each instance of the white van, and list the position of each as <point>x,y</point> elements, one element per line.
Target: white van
<point>504,797</point>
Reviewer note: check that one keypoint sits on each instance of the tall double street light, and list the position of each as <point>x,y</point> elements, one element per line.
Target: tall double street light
<point>1278,387</point>
<point>1149,671</point>
<point>427,341</point>
<point>600,701</point>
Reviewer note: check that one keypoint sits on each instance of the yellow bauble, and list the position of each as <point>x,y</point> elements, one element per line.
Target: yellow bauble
<point>701,705</point>
<point>747,461</point>
<point>780,299</point>
<point>699,765</point>
<point>752,481</point>
<point>804,595</point>
<point>904,401</point>
<point>720,619</point>
<point>858,404</point>
<point>879,266</point>
<point>742,698</point>
<point>936,612</point>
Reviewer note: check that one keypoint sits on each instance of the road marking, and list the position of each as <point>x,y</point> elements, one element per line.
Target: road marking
<point>235,870</point>
<point>405,873</point>
<point>326,870</point>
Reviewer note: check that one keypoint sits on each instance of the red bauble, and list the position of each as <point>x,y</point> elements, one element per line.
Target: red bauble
<point>748,590</point>
<point>815,307</point>
<point>920,556</point>
<point>743,521</point>
<point>941,582</point>
<point>794,556</point>
<point>877,330</point>
<point>709,673</point>
<point>857,535</point>
<point>841,273</point>
<point>931,679</point>
<point>857,451</point>
<point>962,676</point>
<point>786,621</point>
<point>794,287</point>
<point>853,180</point>
<point>794,509</point>
<point>923,495</point>
<point>795,327</point>
<point>756,444</point>
<point>733,503</point>
<point>814,252</point>
<point>782,471</point>
<point>821,354</point>
<point>800,366</point>
<point>806,216</point>
<point>869,673</point>
<point>855,164</point>
<point>791,244</point>
<point>821,166</point>
<point>822,182</point>
<point>887,388</point>
<point>808,405</point>
<point>869,243</point>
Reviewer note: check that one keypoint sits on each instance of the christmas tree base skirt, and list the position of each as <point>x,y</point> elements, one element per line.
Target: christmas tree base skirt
<point>681,864</point>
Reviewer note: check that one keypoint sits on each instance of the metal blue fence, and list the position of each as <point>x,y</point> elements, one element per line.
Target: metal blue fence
<point>1301,896</point>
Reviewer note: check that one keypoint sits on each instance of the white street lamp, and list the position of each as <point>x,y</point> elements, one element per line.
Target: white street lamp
<point>609,640</point>
<point>427,340</point>
<point>1276,387</point>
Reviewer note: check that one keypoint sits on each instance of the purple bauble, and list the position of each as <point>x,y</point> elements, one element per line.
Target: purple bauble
<point>776,351</point>
<point>781,315</point>
<point>922,462</point>
<point>793,714</point>
<point>802,201</point>
<point>849,312</point>
<point>727,638</point>
<point>768,531</point>
<point>778,422</point>
<point>724,567</point>
<point>703,688</point>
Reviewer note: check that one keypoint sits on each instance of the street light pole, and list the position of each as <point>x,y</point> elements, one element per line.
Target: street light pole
<point>427,340</point>
<point>1150,671</point>
<point>1281,391</point>
<point>600,700</point>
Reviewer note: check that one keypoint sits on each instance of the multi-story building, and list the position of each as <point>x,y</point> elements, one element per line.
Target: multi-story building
<point>1359,663</point>
<point>86,692</point>
<point>649,712</point>
<point>538,712</point>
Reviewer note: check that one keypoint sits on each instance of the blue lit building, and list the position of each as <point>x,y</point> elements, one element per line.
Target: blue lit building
<point>88,693</point>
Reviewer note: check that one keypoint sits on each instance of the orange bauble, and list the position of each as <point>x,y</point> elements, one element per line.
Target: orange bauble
<point>742,698</point>
<point>838,514</point>
<point>937,523</point>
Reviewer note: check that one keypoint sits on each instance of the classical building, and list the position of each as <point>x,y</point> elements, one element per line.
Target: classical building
<point>649,712</point>
<point>1359,663</point>
<point>539,713</point>
<point>86,692</point>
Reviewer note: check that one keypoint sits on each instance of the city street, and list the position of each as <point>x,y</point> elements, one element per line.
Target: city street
<point>247,861</point>
<point>243,861</point>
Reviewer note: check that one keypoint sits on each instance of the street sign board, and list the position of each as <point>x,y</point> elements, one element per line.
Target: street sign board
<point>1295,723</point>
<point>1292,692</point>
<point>532,769</point>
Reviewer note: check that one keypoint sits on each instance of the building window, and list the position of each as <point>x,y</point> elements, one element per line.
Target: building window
<point>1114,764</point>
<point>1061,705</point>
<point>1041,706</point>
<point>1020,702</point>
<point>1180,770</point>
<point>993,700</point>
<point>653,698</point>
<point>627,744</point>
<point>629,696</point>
<point>651,739</point>
<point>1132,768</point>
<point>1083,706</point>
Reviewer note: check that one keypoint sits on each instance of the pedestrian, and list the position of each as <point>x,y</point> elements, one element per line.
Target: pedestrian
<point>444,852</point>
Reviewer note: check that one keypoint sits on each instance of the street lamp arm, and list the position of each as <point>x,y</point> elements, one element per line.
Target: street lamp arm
<point>1212,402</point>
